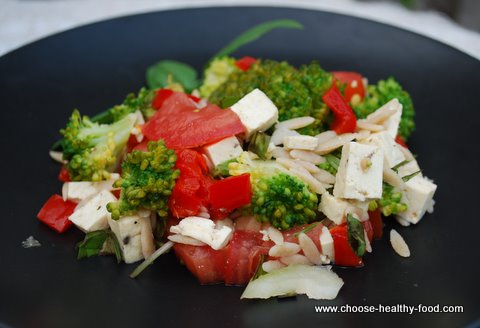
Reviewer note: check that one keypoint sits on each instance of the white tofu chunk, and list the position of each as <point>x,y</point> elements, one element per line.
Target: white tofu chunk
<point>79,190</point>
<point>326,241</point>
<point>419,194</point>
<point>337,209</point>
<point>391,124</point>
<point>256,111</point>
<point>128,231</point>
<point>300,142</point>
<point>205,230</point>
<point>223,150</point>
<point>391,150</point>
<point>91,213</point>
<point>360,172</point>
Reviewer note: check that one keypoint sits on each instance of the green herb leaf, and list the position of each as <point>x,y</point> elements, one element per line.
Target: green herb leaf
<point>256,32</point>
<point>259,144</point>
<point>158,75</point>
<point>331,164</point>
<point>93,244</point>
<point>222,170</point>
<point>396,167</point>
<point>356,236</point>
<point>408,177</point>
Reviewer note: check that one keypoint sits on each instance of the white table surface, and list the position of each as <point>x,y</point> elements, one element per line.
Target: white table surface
<point>24,21</point>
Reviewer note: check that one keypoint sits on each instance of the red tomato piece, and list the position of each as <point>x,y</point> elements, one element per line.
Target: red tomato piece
<point>160,97</point>
<point>344,254</point>
<point>377,223</point>
<point>399,140</point>
<point>182,125</point>
<point>231,193</point>
<point>367,226</point>
<point>55,213</point>
<point>195,99</point>
<point>203,262</point>
<point>242,256</point>
<point>244,63</point>
<point>63,175</point>
<point>345,120</point>
<point>354,84</point>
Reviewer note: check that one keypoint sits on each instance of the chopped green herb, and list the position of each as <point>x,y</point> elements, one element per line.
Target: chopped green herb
<point>259,144</point>
<point>356,235</point>
<point>93,245</point>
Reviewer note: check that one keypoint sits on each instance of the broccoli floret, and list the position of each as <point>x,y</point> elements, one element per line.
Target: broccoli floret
<point>381,93</point>
<point>217,73</point>
<point>296,92</point>
<point>133,102</point>
<point>391,201</point>
<point>147,180</point>
<point>278,198</point>
<point>93,150</point>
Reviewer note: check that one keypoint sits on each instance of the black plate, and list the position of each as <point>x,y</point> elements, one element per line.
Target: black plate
<point>95,66</point>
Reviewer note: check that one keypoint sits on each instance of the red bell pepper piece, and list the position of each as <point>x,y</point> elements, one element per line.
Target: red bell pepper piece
<point>231,193</point>
<point>354,84</point>
<point>245,63</point>
<point>344,254</point>
<point>55,213</point>
<point>63,175</point>
<point>377,223</point>
<point>345,120</point>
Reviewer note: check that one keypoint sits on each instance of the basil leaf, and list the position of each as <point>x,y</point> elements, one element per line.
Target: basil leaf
<point>93,244</point>
<point>356,235</point>
<point>259,144</point>
<point>157,75</point>
<point>256,32</point>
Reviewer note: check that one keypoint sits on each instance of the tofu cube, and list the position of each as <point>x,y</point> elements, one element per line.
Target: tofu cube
<point>128,230</point>
<point>256,111</point>
<point>419,194</point>
<point>337,209</point>
<point>216,236</point>
<point>223,150</point>
<point>79,190</point>
<point>91,213</point>
<point>360,172</point>
<point>391,151</point>
<point>300,142</point>
<point>326,241</point>
<point>391,124</point>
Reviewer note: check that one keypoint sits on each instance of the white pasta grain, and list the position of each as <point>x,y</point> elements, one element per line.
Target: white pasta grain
<point>271,265</point>
<point>307,156</point>
<point>295,259</point>
<point>335,143</point>
<point>315,185</point>
<point>399,244</point>
<point>324,177</point>
<point>295,123</point>
<point>275,235</point>
<point>280,152</point>
<point>309,249</point>
<point>325,136</point>
<point>285,249</point>
<point>279,134</point>
<point>365,125</point>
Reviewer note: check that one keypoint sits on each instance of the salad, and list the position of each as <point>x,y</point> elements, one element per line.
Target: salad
<point>258,173</point>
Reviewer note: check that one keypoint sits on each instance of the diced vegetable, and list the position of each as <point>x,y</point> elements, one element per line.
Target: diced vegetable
<point>55,213</point>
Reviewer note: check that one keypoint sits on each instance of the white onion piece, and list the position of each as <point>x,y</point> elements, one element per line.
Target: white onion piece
<point>314,281</point>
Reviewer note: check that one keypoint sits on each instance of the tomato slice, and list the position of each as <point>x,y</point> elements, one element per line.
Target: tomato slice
<point>344,254</point>
<point>231,193</point>
<point>242,256</point>
<point>182,125</point>
<point>399,140</point>
<point>244,63</point>
<point>203,262</point>
<point>55,213</point>
<point>367,226</point>
<point>354,88</point>
<point>291,235</point>
<point>160,97</point>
